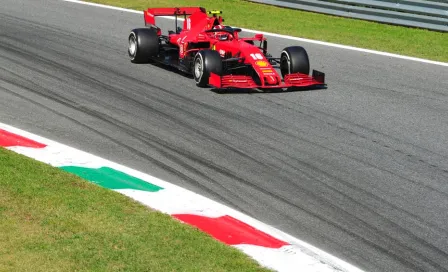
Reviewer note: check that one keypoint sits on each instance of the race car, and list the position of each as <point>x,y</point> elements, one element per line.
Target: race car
<point>215,54</point>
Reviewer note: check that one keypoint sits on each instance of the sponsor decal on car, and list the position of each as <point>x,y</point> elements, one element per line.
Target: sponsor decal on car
<point>262,63</point>
<point>222,52</point>
<point>189,23</point>
<point>267,71</point>
<point>182,46</point>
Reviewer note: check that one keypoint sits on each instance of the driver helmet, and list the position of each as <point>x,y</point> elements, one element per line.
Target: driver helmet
<point>221,36</point>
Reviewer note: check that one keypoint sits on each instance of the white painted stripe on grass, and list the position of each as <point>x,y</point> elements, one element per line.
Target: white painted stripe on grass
<point>176,199</point>
<point>382,53</point>
<point>173,201</point>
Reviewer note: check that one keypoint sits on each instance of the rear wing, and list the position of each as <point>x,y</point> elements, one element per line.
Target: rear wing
<point>151,13</point>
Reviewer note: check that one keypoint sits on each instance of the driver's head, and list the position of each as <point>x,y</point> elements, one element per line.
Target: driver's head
<point>222,36</point>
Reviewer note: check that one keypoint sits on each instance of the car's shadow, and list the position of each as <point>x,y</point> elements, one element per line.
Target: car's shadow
<point>171,69</point>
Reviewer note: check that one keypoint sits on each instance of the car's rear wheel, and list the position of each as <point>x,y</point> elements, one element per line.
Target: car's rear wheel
<point>143,44</point>
<point>205,63</point>
<point>294,59</point>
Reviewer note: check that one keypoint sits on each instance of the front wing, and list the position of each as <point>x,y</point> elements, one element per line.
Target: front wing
<point>297,80</point>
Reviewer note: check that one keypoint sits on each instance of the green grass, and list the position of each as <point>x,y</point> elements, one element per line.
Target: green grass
<point>51,220</point>
<point>395,39</point>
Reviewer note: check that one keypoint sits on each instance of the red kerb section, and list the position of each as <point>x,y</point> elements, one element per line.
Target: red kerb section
<point>10,139</point>
<point>231,231</point>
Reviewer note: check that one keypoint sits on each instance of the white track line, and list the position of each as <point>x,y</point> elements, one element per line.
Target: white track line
<point>286,37</point>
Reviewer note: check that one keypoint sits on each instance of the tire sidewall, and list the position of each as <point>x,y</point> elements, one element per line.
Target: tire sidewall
<point>285,63</point>
<point>199,56</point>
<point>134,37</point>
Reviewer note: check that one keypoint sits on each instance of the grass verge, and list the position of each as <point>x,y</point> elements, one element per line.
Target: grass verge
<point>51,220</point>
<point>394,39</point>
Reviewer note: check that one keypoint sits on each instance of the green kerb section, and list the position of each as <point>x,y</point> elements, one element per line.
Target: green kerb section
<point>111,178</point>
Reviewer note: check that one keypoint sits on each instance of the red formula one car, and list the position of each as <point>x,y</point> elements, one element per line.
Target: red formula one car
<point>215,54</point>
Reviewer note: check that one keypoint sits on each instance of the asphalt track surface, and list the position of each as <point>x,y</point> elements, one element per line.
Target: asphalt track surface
<point>359,170</point>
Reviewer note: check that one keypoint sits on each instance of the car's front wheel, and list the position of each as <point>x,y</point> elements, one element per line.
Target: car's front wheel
<point>294,59</point>
<point>205,63</point>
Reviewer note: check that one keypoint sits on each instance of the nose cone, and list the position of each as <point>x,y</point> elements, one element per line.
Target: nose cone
<point>271,80</point>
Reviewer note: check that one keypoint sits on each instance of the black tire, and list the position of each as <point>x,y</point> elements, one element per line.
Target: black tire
<point>143,44</point>
<point>205,63</point>
<point>294,59</point>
